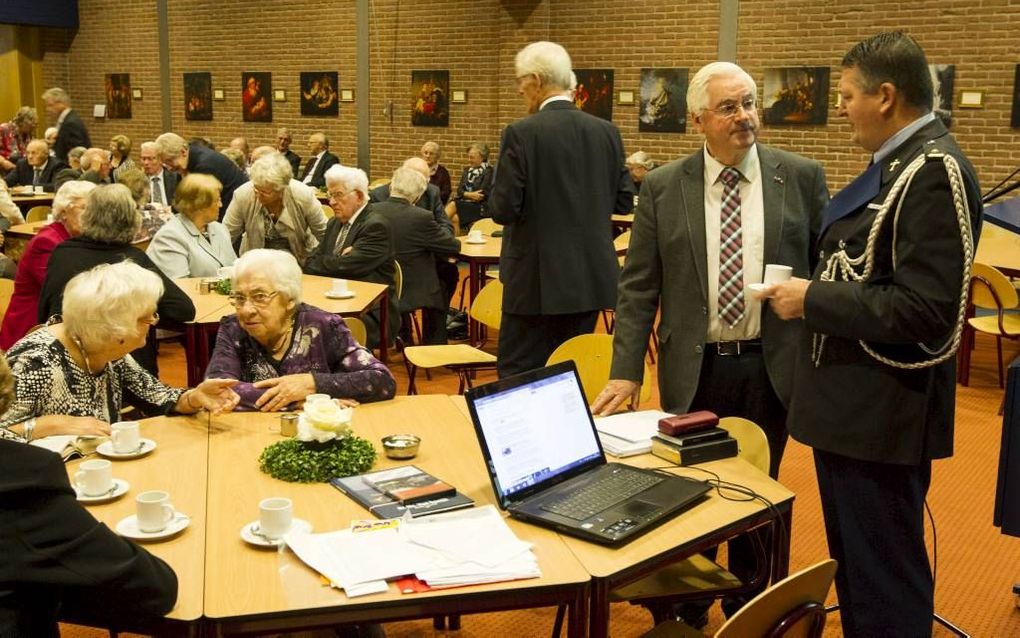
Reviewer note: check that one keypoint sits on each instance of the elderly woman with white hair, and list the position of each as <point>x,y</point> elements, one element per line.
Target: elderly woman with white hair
<point>74,375</point>
<point>193,243</point>
<point>21,315</point>
<point>639,164</point>
<point>282,350</point>
<point>470,204</point>
<point>275,211</point>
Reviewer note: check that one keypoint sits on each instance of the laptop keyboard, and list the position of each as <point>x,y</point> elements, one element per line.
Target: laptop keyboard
<point>601,495</point>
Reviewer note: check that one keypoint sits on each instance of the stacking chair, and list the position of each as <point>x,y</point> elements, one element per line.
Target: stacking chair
<point>795,606</point>
<point>593,355</point>
<point>358,329</point>
<point>486,225</point>
<point>37,214</point>
<point>460,358</point>
<point>6,292</point>
<point>990,290</point>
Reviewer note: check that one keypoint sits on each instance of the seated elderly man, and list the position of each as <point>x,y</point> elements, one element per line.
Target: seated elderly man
<point>275,211</point>
<point>178,156</point>
<point>95,167</point>
<point>357,243</point>
<point>15,136</point>
<point>418,240</point>
<point>438,175</point>
<point>240,144</point>
<point>283,142</point>
<point>74,375</point>
<point>37,169</point>
<point>281,350</point>
<point>58,559</point>
<point>320,160</point>
<point>639,164</point>
<point>193,243</point>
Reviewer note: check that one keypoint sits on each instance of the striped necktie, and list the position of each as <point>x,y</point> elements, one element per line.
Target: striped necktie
<point>731,261</point>
<point>342,237</point>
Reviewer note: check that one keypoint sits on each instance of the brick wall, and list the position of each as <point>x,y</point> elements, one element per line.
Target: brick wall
<point>476,40</point>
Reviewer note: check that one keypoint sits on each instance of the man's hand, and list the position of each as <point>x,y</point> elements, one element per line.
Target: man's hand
<point>283,391</point>
<point>787,298</point>
<point>613,396</point>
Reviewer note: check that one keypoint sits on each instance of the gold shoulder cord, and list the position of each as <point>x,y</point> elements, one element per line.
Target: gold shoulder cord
<point>841,265</point>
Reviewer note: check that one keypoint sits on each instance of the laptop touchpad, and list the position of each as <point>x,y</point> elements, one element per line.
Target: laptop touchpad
<point>640,508</point>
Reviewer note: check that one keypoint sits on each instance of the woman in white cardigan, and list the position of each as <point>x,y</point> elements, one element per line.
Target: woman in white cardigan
<point>275,211</point>
<point>193,243</point>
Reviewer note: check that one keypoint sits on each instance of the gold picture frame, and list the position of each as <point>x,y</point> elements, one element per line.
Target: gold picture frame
<point>346,95</point>
<point>972,99</point>
<point>625,97</point>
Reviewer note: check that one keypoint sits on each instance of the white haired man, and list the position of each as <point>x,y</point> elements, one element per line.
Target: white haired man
<point>71,129</point>
<point>180,157</point>
<point>283,142</point>
<point>320,160</point>
<point>37,169</point>
<point>561,175</point>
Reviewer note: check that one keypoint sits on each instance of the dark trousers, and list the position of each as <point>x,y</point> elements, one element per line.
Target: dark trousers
<point>526,341</point>
<point>874,523</point>
<point>738,385</point>
<point>449,277</point>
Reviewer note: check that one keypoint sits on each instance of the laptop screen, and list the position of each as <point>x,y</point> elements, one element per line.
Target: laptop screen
<point>534,428</point>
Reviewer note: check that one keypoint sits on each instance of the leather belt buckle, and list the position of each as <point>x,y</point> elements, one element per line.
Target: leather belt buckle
<point>736,348</point>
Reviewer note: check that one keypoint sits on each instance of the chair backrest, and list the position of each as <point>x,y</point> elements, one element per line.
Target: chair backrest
<point>795,606</point>
<point>991,289</point>
<point>622,243</point>
<point>486,225</point>
<point>376,183</point>
<point>327,212</point>
<point>358,330</point>
<point>37,214</point>
<point>6,292</point>
<point>487,307</point>
<point>398,278</point>
<point>752,444</point>
<point>593,356</point>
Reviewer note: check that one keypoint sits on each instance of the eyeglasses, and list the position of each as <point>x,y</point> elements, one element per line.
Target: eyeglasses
<point>258,299</point>
<point>730,109</point>
<point>153,320</point>
<point>335,196</point>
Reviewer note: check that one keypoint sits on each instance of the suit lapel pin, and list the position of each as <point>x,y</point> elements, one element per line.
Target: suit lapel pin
<point>777,179</point>
<point>893,164</point>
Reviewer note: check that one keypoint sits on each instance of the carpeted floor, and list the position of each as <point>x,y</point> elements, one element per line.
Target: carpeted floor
<point>977,566</point>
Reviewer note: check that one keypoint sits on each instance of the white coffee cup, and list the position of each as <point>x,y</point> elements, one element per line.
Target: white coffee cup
<point>125,436</point>
<point>40,190</point>
<point>475,235</point>
<point>225,272</point>
<point>313,398</point>
<point>275,517</point>
<point>95,477</point>
<point>154,511</point>
<point>339,287</point>
<point>777,274</point>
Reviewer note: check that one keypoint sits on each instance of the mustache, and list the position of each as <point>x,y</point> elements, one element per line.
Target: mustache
<point>747,126</point>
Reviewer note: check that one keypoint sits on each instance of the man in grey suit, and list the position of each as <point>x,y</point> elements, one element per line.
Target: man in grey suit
<point>705,227</point>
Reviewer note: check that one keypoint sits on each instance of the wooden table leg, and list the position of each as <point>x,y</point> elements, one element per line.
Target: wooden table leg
<point>384,328</point>
<point>476,273</point>
<point>577,614</point>
<point>599,613</point>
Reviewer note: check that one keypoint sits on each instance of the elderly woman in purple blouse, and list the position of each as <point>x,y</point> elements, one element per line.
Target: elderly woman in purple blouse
<point>282,350</point>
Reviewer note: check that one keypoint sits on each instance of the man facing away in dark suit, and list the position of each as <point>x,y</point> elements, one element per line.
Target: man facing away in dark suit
<point>319,161</point>
<point>71,130</point>
<point>696,244</point>
<point>418,241</point>
<point>874,383</point>
<point>180,157</point>
<point>559,179</point>
<point>357,243</point>
<point>37,169</point>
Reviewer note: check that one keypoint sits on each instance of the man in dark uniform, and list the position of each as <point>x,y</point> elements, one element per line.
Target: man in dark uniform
<point>874,385</point>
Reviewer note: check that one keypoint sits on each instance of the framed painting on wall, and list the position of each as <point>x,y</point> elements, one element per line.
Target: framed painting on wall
<point>256,96</point>
<point>1015,120</point>
<point>663,101</point>
<point>118,96</point>
<point>796,95</point>
<point>198,96</point>
<point>319,93</point>
<point>430,92</point>
<point>594,92</point>
<point>943,76</point>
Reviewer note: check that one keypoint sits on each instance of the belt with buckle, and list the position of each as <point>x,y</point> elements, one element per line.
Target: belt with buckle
<point>733,348</point>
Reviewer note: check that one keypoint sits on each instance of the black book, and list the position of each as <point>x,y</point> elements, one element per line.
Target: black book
<point>694,438</point>
<point>382,505</point>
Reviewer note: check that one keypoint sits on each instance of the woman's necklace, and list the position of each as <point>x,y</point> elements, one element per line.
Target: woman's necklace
<point>81,350</point>
<point>284,341</point>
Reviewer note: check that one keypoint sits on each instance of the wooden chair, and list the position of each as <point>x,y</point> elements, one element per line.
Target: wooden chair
<point>795,606</point>
<point>593,355</point>
<point>460,357</point>
<point>622,243</point>
<point>990,290</point>
<point>358,330</point>
<point>37,214</point>
<point>6,292</point>
<point>487,226</point>
<point>376,183</point>
<point>698,578</point>
<point>327,212</point>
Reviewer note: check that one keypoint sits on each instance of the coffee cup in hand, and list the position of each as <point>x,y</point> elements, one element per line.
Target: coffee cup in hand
<point>95,477</point>
<point>275,517</point>
<point>777,274</point>
<point>155,511</point>
<point>126,437</point>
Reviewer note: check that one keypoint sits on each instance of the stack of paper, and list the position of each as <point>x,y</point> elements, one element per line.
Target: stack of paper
<point>445,550</point>
<point>629,433</point>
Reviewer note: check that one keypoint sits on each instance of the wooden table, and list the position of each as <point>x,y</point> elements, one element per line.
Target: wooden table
<point>27,202</point>
<point>16,238</point>
<point>211,308</point>
<point>999,247</point>
<point>478,258</point>
<point>623,222</point>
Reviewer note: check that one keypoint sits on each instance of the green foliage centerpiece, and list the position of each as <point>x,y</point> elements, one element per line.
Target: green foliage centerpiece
<point>324,448</point>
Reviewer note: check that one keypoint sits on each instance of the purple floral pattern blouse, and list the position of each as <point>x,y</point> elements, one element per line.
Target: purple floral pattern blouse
<point>321,345</point>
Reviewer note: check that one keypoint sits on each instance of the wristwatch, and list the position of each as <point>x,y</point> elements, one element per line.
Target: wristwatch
<point>29,428</point>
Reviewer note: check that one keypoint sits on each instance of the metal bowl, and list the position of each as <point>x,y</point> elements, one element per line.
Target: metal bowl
<point>401,446</point>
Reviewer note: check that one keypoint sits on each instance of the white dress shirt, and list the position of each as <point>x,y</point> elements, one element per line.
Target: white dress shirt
<point>318,158</point>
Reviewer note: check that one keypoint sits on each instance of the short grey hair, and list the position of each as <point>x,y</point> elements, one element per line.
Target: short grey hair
<point>408,184</point>
<point>76,153</point>
<point>641,159</point>
<point>548,60</point>
<point>259,152</point>
<point>106,302</point>
<point>351,178</point>
<point>432,145</point>
<point>697,91</point>
<point>170,145</point>
<point>278,266</point>
<point>148,145</point>
<point>57,94</point>
<point>70,193</point>
<point>483,150</point>
<point>111,215</point>
<point>272,170</point>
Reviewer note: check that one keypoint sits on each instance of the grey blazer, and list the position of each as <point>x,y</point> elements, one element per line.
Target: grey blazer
<point>179,250</point>
<point>667,263</point>
<point>302,222</point>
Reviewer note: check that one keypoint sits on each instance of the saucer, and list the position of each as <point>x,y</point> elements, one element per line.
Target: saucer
<point>106,449</point>
<point>339,295</point>
<point>475,241</point>
<point>128,528</point>
<point>250,535</point>
<point>758,287</point>
<point>120,488</point>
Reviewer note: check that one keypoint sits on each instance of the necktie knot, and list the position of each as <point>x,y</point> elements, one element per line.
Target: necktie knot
<point>730,176</point>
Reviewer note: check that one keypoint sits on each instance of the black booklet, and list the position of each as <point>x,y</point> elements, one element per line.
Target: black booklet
<point>383,505</point>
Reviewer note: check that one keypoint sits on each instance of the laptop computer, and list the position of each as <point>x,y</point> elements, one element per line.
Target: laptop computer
<point>547,466</point>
